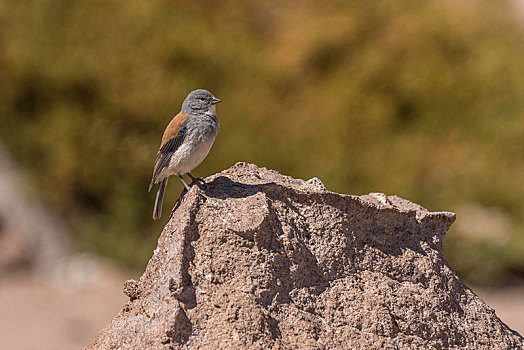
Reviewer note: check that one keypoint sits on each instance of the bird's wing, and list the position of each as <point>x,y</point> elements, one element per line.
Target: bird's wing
<point>171,141</point>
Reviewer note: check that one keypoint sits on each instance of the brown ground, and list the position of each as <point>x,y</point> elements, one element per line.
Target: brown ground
<point>39,314</point>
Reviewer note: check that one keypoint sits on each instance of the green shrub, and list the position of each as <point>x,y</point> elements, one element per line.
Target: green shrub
<point>419,99</point>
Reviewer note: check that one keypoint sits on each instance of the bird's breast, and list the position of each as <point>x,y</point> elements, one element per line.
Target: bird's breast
<point>200,135</point>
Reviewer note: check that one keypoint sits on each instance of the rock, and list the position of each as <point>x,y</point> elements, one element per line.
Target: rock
<point>263,261</point>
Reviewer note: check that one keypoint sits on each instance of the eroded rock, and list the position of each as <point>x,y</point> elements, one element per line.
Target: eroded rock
<point>264,261</point>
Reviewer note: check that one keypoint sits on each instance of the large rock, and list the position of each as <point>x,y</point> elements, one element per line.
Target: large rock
<point>264,261</point>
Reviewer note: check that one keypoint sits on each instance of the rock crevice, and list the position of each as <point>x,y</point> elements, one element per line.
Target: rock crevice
<point>261,260</point>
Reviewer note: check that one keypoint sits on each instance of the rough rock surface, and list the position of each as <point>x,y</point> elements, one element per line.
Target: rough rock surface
<point>263,261</point>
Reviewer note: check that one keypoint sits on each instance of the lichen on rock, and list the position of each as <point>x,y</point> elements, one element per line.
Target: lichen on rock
<point>264,261</point>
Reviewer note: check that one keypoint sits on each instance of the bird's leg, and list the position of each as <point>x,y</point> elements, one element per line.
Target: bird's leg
<point>196,179</point>
<point>184,182</point>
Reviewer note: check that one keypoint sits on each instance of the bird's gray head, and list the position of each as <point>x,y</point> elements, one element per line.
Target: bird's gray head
<point>199,101</point>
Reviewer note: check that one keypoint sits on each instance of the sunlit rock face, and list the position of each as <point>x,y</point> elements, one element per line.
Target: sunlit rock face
<point>260,260</point>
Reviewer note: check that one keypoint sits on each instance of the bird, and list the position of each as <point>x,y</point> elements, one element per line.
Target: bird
<point>185,143</point>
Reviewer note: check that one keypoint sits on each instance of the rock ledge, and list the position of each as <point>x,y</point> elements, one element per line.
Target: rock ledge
<point>264,261</point>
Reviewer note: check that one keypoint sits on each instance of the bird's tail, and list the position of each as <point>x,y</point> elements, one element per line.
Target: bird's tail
<point>157,210</point>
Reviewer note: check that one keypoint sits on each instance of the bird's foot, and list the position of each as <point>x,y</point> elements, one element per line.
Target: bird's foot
<point>197,180</point>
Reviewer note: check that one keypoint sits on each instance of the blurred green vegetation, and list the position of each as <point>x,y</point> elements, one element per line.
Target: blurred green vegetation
<point>420,99</point>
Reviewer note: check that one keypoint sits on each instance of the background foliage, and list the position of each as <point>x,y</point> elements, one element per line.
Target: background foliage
<point>419,99</point>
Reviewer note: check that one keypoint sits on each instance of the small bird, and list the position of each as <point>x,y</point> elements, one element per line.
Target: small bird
<point>186,142</point>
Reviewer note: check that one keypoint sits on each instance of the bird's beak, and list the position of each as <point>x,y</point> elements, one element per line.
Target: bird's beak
<point>216,100</point>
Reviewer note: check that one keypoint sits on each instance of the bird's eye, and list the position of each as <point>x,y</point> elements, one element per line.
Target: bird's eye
<point>202,99</point>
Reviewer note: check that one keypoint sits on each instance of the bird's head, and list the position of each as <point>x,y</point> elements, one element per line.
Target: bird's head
<point>199,101</point>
